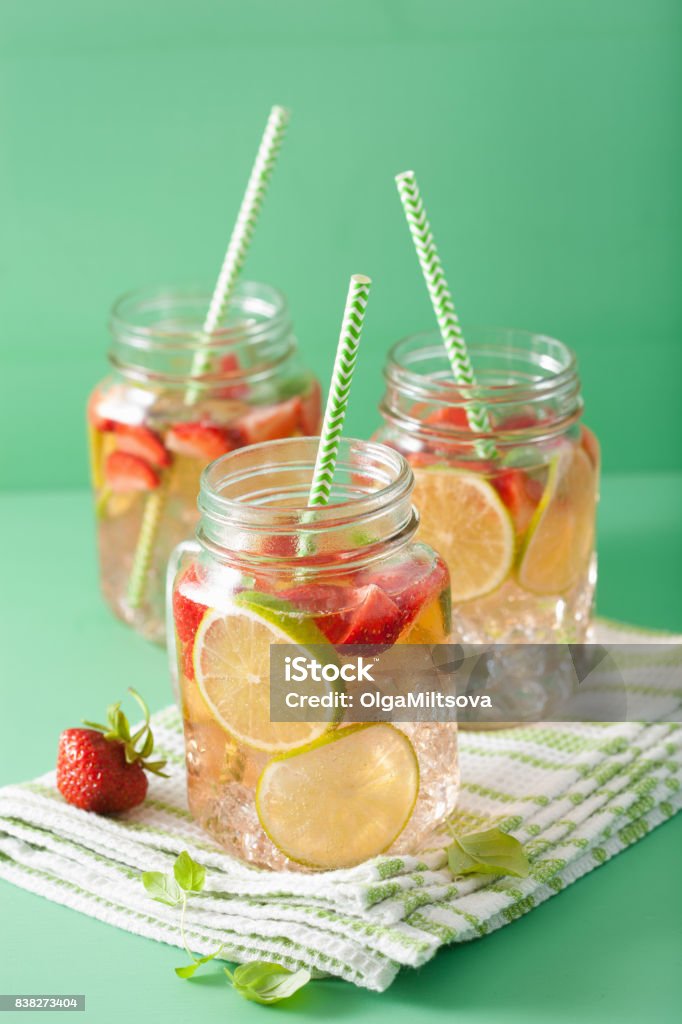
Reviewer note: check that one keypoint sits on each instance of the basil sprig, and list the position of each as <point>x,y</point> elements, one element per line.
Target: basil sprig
<point>259,981</point>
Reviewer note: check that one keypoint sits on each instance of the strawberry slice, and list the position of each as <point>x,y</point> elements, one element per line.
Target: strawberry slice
<point>268,423</point>
<point>521,494</point>
<point>141,441</point>
<point>376,619</point>
<point>450,416</point>
<point>187,614</point>
<point>199,440</point>
<point>332,606</point>
<point>521,421</point>
<point>125,472</point>
<point>188,662</point>
<point>229,366</point>
<point>311,410</point>
<point>411,591</point>
<point>278,545</point>
<point>187,611</point>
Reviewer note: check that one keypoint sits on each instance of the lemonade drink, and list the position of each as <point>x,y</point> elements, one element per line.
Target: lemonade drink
<point>515,522</point>
<point>323,794</point>
<point>150,438</point>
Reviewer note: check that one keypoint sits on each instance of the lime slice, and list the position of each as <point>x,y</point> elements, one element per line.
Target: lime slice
<point>344,798</point>
<point>560,536</point>
<point>231,657</point>
<point>464,519</point>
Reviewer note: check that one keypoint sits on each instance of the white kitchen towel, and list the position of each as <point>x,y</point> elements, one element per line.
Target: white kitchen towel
<point>574,794</point>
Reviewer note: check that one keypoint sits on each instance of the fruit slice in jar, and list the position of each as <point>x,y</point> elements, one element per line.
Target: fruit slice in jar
<point>198,440</point>
<point>464,519</point>
<point>310,410</point>
<point>267,423</point>
<point>561,534</point>
<point>125,472</point>
<point>142,442</point>
<point>342,799</point>
<point>231,660</point>
<point>520,493</point>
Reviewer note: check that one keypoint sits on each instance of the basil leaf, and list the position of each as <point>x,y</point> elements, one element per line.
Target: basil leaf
<point>488,853</point>
<point>265,983</point>
<point>190,969</point>
<point>189,875</point>
<point>162,888</point>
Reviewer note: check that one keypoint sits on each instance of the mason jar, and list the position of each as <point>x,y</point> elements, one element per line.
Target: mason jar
<point>512,510</point>
<point>268,570</point>
<point>173,402</point>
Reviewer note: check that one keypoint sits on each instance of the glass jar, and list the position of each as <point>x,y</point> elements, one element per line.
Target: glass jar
<point>267,569</point>
<point>511,511</point>
<point>172,404</point>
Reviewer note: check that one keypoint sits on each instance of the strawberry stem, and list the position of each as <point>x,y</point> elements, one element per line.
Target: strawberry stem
<point>118,731</point>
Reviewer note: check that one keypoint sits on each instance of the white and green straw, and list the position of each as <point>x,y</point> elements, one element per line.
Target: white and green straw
<point>339,390</point>
<point>443,306</point>
<point>241,236</point>
<point>227,278</point>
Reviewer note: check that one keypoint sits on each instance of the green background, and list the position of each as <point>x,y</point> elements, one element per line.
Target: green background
<point>547,142</point>
<point>545,136</point>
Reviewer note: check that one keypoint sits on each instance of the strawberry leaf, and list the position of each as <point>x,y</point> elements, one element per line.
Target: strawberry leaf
<point>162,888</point>
<point>488,853</point>
<point>263,982</point>
<point>118,730</point>
<point>189,875</point>
<point>147,746</point>
<point>122,727</point>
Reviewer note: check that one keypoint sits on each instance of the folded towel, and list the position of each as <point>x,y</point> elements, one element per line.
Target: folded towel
<point>574,794</point>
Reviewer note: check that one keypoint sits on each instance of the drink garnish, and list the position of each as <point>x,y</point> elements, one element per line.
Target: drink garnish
<point>102,768</point>
<point>491,852</point>
<point>258,981</point>
<point>342,799</point>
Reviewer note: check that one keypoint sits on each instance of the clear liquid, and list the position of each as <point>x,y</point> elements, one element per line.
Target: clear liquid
<point>546,595</point>
<point>121,512</point>
<point>223,773</point>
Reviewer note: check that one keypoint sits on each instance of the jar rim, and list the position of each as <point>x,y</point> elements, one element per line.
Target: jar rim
<point>355,456</point>
<point>157,337</point>
<point>266,520</point>
<point>543,350</point>
<point>125,317</point>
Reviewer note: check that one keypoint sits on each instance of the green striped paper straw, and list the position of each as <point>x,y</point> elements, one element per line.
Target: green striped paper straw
<point>339,390</point>
<point>151,518</point>
<point>443,306</point>
<point>241,236</point>
<point>227,278</point>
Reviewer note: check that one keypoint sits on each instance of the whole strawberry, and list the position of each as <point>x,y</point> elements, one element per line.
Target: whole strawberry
<point>102,768</point>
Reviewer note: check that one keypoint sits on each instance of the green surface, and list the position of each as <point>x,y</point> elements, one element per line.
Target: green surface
<point>606,949</point>
<point>545,137</point>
